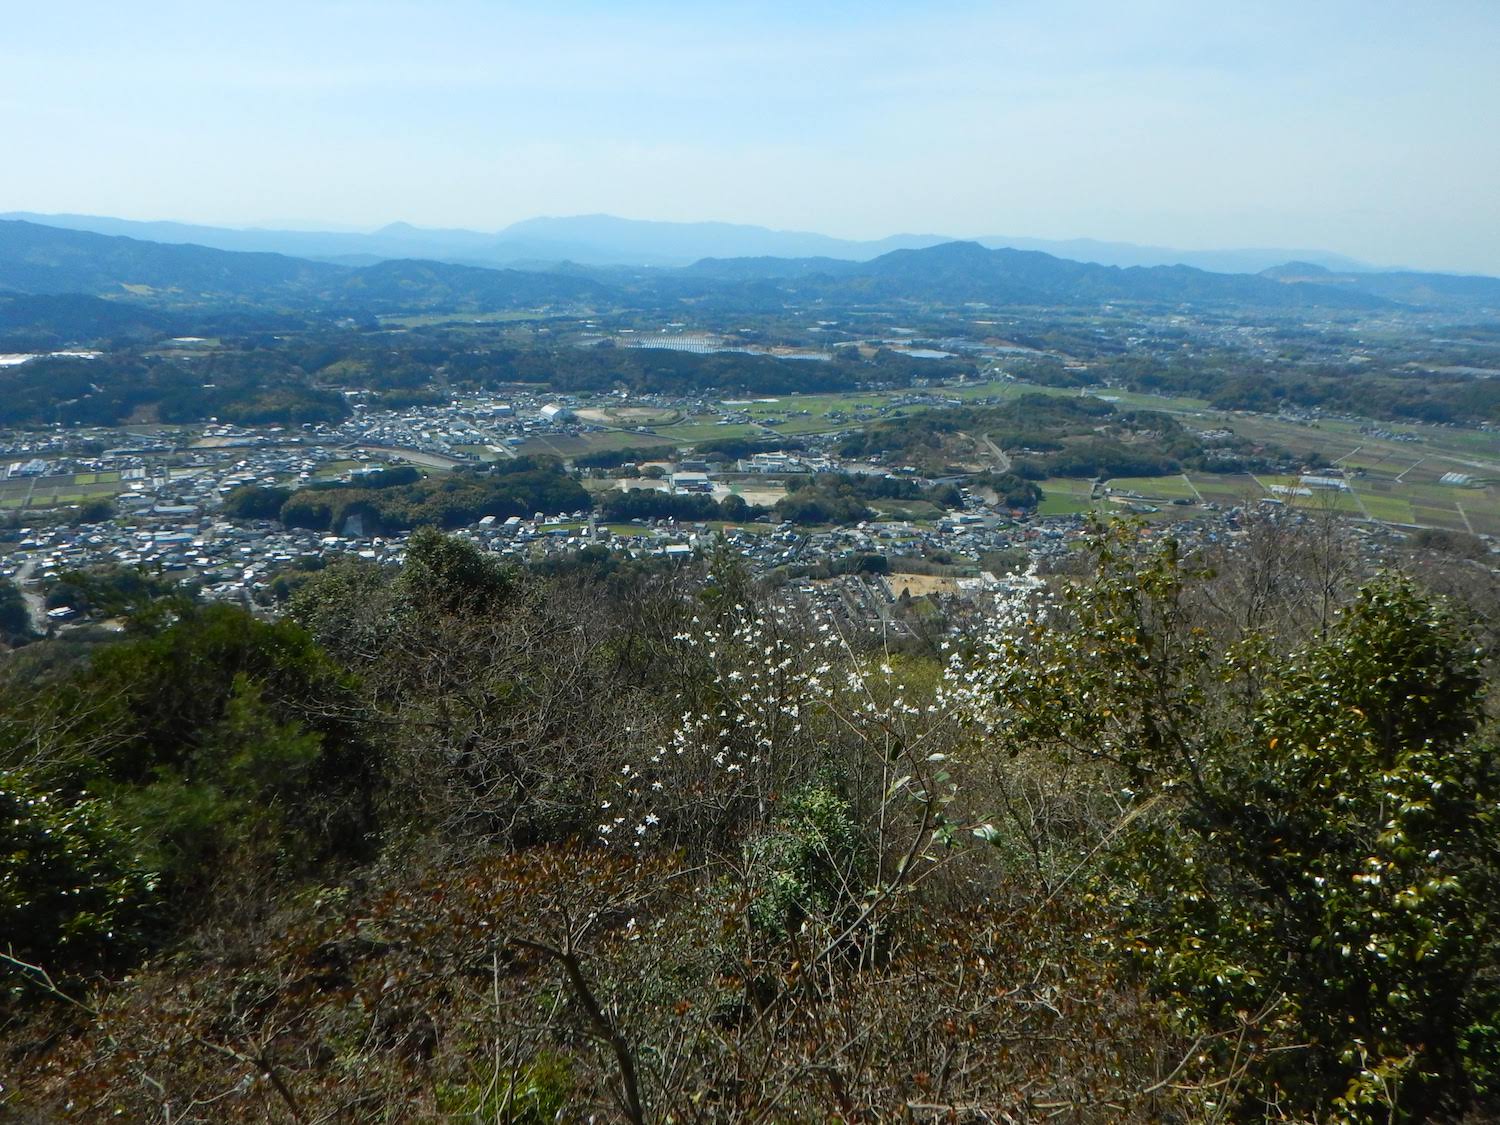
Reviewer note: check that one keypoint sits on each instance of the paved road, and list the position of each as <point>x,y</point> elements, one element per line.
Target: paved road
<point>1002,459</point>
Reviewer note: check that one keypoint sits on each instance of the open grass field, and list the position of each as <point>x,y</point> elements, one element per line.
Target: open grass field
<point>916,510</point>
<point>1155,488</point>
<point>1131,400</point>
<point>1064,496</point>
<point>702,427</point>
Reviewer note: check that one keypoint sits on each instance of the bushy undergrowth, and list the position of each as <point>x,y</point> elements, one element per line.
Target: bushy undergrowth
<point>1193,839</point>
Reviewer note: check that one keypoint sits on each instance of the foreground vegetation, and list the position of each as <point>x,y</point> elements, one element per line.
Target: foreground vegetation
<point>1157,838</point>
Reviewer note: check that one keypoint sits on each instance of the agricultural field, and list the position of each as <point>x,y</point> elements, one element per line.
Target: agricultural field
<point>1372,495</point>
<point>1394,473</point>
<point>56,491</point>
<point>1400,481</point>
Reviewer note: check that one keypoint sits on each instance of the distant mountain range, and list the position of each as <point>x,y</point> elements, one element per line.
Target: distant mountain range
<point>604,240</point>
<point>38,261</point>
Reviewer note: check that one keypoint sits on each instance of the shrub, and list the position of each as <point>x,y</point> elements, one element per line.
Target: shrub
<point>72,894</point>
<point>806,863</point>
<point>1340,874</point>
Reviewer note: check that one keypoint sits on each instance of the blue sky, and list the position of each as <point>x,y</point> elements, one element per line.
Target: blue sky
<point>1368,128</point>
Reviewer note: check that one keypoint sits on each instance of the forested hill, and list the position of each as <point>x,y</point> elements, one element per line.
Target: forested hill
<point>47,260</point>
<point>958,272</point>
<point>1405,286</point>
<point>39,260</point>
<point>405,284</point>
<point>961,271</point>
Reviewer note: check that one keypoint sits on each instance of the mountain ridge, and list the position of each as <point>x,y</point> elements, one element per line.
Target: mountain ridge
<point>601,239</point>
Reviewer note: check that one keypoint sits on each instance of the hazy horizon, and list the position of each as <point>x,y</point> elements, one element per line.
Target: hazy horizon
<point>1359,129</point>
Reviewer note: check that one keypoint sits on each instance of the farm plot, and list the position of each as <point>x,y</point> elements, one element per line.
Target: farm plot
<point>571,445</point>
